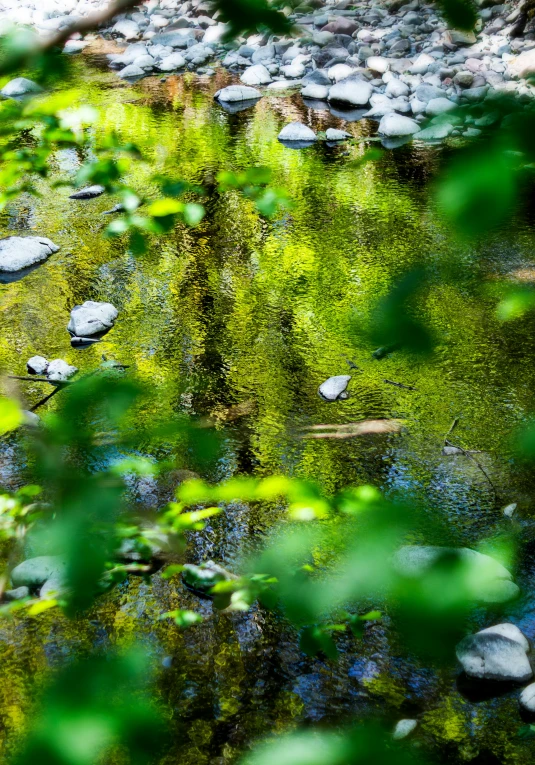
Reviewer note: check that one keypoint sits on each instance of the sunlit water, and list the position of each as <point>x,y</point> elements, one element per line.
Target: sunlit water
<point>245,311</point>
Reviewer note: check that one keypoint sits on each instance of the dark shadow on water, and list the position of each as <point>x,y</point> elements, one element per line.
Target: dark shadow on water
<point>237,106</point>
<point>477,691</point>
<point>9,277</point>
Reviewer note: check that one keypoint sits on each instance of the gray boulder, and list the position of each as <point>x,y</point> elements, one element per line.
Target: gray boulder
<point>172,63</point>
<point>19,252</point>
<point>131,71</point>
<point>337,135</point>
<point>59,371</point>
<point>527,698</point>
<point>237,93</point>
<point>335,388</point>
<point>395,125</point>
<point>256,75</point>
<point>90,192</point>
<point>19,87</point>
<point>492,656</point>
<point>403,729</point>
<point>92,318</point>
<point>37,365</point>
<point>312,90</point>
<point>351,91</point>
<point>296,131</point>
<point>46,573</point>
<point>17,594</point>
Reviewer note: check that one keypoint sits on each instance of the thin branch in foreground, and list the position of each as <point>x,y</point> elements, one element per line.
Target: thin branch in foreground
<point>470,456</point>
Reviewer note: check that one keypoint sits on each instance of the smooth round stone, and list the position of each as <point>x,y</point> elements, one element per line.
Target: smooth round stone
<point>334,388</point>
<point>237,93</point>
<point>37,365</point>
<point>92,318</point>
<point>438,106</point>
<point>527,698</point>
<point>320,92</point>
<point>256,75</point>
<point>403,729</point>
<point>378,64</point>
<point>491,656</point>
<point>394,125</point>
<point>20,86</point>
<point>19,252</point>
<point>59,371</point>
<point>508,630</point>
<point>337,135</point>
<point>296,131</point>
<point>90,192</point>
<point>349,91</point>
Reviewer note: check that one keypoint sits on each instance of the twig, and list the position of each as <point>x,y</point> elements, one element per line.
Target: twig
<point>450,431</point>
<point>38,379</point>
<point>46,398</point>
<point>400,385</point>
<point>468,454</point>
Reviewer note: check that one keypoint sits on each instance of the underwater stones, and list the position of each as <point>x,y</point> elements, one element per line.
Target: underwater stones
<point>90,192</point>
<point>92,318</point>
<point>46,573</point>
<point>484,579</point>
<point>527,698</point>
<point>37,365</point>
<point>296,132</point>
<point>403,729</point>
<point>237,93</point>
<point>394,125</point>
<point>19,87</point>
<point>335,388</point>
<point>19,252</point>
<point>202,578</point>
<point>493,655</point>
<point>59,371</point>
<point>351,91</point>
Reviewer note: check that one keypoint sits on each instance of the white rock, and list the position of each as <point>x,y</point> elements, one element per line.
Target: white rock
<point>92,318</point>
<point>18,252</point>
<point>378,64</point>
<point>59,371</point>
<point>523,65</point>
<point>394,125</point>
<point>510,510</point>
<point>90,192</point>
<point>296,131</point>
<point>74,46</point>
<point>256,75</point>
<point>320,92</point>
<point>438,106</point>
<point>510,631</point>
<point>293,71</point>
<point>20,86</point>
<point>236,93</point>
<point>422,64</point>
<point>31,419</point>
<point>37,365</point>
<point>396,88</point>
<point>131,71</point>
<point>334,388</point>
<point>491,656</point>
<point>339,72</point>
<point>172,63</point>
<point>214,34</point>
<point>527,698</point>
<point>127,29</point>
<point>404,728</point>
<point>337,135</point>
<point>351,91</point>
<point>437,133</point>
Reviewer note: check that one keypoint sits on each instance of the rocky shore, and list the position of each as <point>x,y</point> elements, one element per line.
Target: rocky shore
<point>396,63</point>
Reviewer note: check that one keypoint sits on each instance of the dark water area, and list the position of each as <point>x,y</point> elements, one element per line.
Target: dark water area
<point>240,320</point>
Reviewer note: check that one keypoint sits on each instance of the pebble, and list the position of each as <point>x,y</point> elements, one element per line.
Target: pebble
<point>92,318</point>
<point>90,192</point>
<point>335,388</point>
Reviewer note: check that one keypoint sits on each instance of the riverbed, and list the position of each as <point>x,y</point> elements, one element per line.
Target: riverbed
<point>240,320</point>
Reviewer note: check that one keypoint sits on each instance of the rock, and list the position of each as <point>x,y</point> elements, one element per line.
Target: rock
<point>340,72</point>
<point>378,64</point>
<point>394,125</point>
<point>438,106</point>
<point>510,510</point>
<point>172,63</point>
<point>74,46</point>
<point>437,133</point>
<point>351,91</point>
<point>317,77</point>
<point>335,388</point>
<point>90,192</point>
<point>256,75</point>
<point>198,54</point>
<point>509,631</point>
<point>341,26</point>
<point>47,572</point>
<point>395,88</point>
<point>521,66</point>
<point>17,594</point>
<point>127,29</point>
<point>19,252</point>
<point>484,579</point>
<point>527,698</point>
<point>265,53</point>
<point>293,71</point>
<point>457,37</point>
<point>59,371</point>
<point>491,656</point>
<point>296,131</point>
<point>202,578</point>
<point>321,92</point>
<point>426,92</point>
<point>31,420</point>
<point>422,64</point>
<point>237,93</point>
<point>92,318</point>
<point>214,34</point>
<point>19,87</point>
<point>403,729</point>
<point>337,135</point>
<point>116,209</point>
<point>131,71</point>
<point>37,365</point>
<point>463,79</point>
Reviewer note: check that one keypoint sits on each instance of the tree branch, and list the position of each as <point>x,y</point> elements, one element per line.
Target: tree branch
<point>89,23</point>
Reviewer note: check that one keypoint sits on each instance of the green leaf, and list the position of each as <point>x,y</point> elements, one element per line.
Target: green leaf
<point>193,214</point>
<point>167,206</point>
<point>11,416</point>
<point>183,619</point>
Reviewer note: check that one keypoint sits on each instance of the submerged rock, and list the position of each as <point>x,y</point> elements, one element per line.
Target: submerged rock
<point>20,86</point>
<point>46,573</point>
<point>404,728</point>
<point>92,318</point>
<point>59,371</point>
<point>202,578</point>
<point>483,578</point>
<point>527,698</point>
<point>296,131</point>
<point>337,135</point>
<point>335,388</point>
<point>489,655</point>
<point>19,252</point>
<point>37,365</point>
<point>90,192</point>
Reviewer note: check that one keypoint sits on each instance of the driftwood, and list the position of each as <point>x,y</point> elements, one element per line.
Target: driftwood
<point>27,378</point>
<point>400,385</point>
